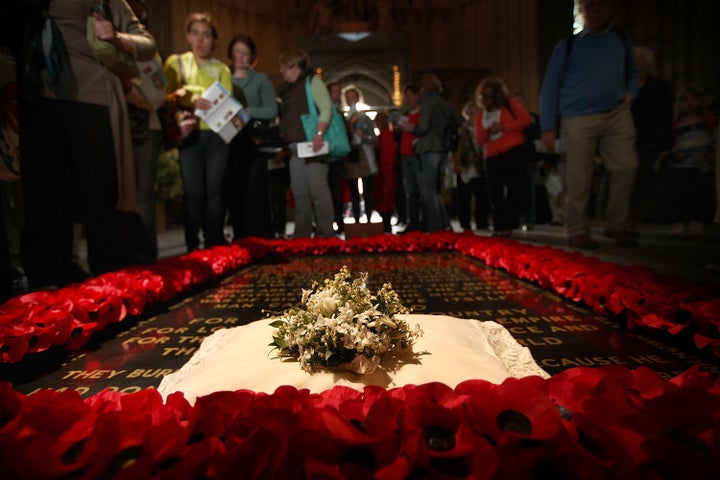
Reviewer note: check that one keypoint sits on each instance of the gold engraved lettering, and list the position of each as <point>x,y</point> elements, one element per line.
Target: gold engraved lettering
<point>91,374</point>
<point>150,373</point>
<point>146,340</point>
<point>574,328</point>
<point>522,330</point>
<point>176,351</point>
<point>582,362</point>
<point>164,330</point>
<point>133,389</point>
<point>647,359</point>
<point>188,339</point>
<point>538,342</point>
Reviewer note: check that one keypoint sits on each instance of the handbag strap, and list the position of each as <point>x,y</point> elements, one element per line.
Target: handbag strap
<point>311,103</point>
<point>181,71</point>
<point>102,8</point>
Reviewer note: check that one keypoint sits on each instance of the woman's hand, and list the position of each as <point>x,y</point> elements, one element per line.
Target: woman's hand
<point>187,124</point>
<point>203,103</point>
<point>496,128</point>
<point>319,137</point>
<point>317,142</point>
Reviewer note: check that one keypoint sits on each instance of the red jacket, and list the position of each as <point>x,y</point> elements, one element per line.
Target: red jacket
<point>515,123</point>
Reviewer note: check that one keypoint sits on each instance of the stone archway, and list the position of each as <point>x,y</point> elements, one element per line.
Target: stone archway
<point>375,63</point>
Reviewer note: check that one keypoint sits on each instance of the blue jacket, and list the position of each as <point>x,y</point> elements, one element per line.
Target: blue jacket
<point>593,78</point>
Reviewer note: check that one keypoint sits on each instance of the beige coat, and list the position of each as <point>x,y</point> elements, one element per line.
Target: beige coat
<point>93,83</point>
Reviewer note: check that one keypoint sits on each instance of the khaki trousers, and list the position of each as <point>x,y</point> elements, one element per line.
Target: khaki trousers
<point>611,136</point>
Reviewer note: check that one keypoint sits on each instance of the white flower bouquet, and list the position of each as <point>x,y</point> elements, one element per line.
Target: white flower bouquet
<point>342,324</point>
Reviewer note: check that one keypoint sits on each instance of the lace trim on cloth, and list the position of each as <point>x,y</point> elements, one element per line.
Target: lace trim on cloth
<point>208,348</point>
<point>516,359</point>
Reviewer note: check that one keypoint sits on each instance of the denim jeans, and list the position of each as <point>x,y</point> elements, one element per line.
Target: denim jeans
<point>429,181</point>
<point>202,168</point>
<point>410,165</point>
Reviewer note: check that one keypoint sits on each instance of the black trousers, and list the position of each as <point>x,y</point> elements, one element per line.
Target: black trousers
<point>247,190</point>
<point>507,181</point>
<point>475,188</point>
<point>335,176</point>
<point>69,175</point>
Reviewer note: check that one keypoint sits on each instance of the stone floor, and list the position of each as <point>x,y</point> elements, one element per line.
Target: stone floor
<point>696,258</point>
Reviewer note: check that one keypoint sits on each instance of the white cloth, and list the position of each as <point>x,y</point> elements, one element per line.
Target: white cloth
<point>451,351</point>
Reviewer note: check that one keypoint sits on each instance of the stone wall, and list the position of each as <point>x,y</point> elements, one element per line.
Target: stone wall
<point>462,41</point>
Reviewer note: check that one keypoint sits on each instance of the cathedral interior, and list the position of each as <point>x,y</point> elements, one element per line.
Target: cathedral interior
<point>379,46</point>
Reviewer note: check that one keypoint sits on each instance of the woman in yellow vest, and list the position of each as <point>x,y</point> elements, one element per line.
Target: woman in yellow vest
<point>203,155</point>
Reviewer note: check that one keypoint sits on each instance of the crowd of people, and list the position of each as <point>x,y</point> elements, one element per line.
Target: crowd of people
<point>601,106</point>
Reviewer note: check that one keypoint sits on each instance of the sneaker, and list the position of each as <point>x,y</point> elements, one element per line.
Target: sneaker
<point>583,241</point>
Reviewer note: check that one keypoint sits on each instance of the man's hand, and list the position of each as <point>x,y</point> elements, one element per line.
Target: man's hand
<point>104,29</point>
<point>548,139</point>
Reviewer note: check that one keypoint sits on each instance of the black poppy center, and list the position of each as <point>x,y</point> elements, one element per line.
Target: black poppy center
<point>439,438</point>
<point>514,421</point>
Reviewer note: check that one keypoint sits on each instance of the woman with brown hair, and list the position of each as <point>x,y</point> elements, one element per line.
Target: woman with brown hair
<point>308,176</point>
<point>202,161</point>
<point>247,183</point>
<point>499,127</point>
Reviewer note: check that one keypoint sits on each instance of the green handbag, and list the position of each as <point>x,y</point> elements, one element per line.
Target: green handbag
<point>117,61</point>
<point>336,134</point>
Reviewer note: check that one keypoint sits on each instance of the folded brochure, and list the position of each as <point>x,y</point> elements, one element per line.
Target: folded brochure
<point>226,117</point>
<point>305,149</point>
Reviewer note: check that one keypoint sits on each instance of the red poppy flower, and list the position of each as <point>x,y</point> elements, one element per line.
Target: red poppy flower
<point>516,410</point>
<point>199,460</point>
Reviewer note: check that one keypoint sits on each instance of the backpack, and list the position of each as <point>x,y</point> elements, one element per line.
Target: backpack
<point>46,58</point>
<point>451,138</point>
<point>451,134</point>
<point>467,155</point>
<point>623,37</point>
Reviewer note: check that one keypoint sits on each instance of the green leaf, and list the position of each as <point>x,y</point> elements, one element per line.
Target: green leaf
<point>277,323</point>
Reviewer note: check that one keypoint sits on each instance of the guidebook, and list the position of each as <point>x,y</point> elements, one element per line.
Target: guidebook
<point>227,116</point>
<point>152,81</point>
